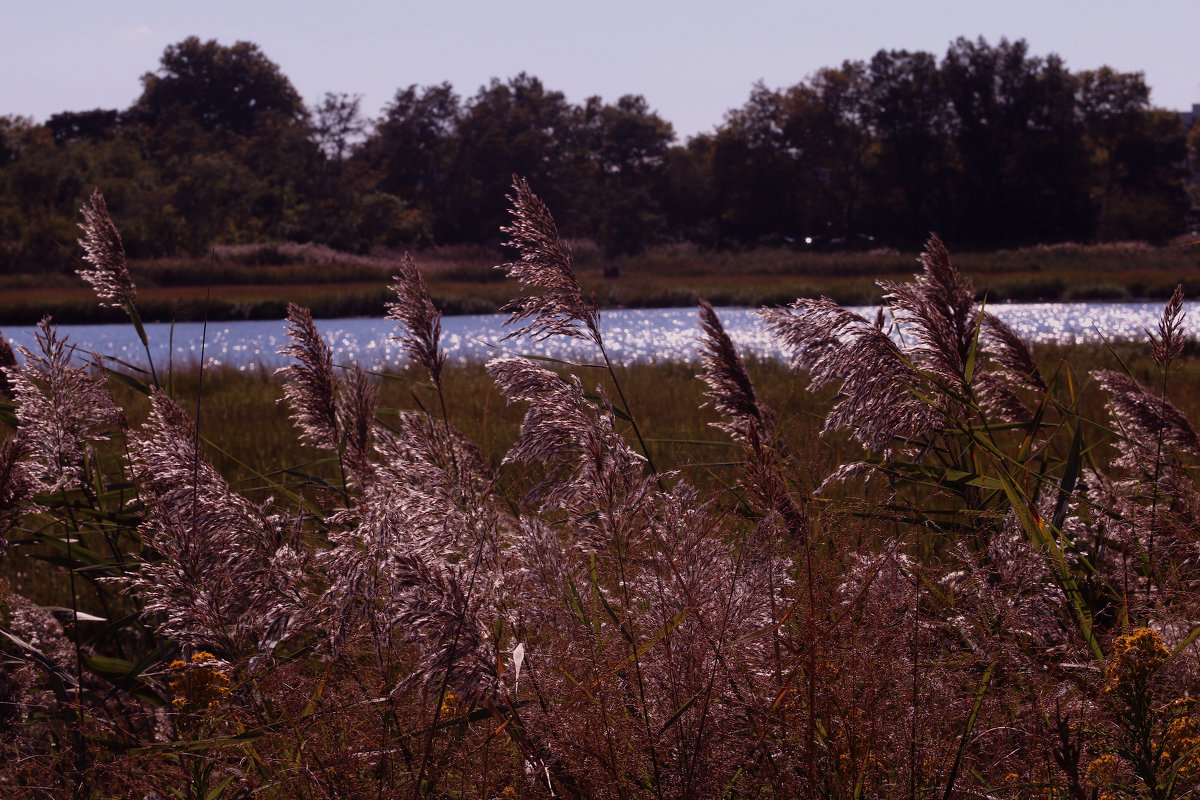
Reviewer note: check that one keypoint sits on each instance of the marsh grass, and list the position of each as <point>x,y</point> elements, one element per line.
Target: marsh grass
<point>958,568</point>
<point>258,281</point>
<point>254,436</point>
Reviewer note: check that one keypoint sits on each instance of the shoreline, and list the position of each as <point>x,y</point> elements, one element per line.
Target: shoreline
<point>178,290</point>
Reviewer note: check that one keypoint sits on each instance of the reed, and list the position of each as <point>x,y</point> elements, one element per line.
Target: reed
<point>258,281</point>
<point>936,562</point>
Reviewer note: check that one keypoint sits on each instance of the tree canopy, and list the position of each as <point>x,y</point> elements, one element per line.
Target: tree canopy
<point>221,88</point>
<point>988,145</point>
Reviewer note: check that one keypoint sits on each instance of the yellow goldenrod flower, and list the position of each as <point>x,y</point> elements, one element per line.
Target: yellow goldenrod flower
<point>199,685</point>
<point>1182,748</point>
<point>1137,655</point>
<point>1103,771</point>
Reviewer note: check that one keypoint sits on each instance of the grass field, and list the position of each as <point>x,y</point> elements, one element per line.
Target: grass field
<point>961,568</point>
<point>250,434</point>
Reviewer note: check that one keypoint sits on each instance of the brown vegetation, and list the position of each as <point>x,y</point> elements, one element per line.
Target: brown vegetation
<point>994,596</point>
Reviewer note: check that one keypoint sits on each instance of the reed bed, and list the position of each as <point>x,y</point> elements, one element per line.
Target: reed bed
<point>934,563</point>
<point>258,281</point>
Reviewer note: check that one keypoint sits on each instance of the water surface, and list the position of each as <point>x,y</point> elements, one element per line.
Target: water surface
<point>636,335</point>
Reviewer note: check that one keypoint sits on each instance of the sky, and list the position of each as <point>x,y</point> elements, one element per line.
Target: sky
<point>693,61</point>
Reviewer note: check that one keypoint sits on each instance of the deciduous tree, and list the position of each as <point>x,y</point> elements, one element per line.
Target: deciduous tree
<point>222,88</point>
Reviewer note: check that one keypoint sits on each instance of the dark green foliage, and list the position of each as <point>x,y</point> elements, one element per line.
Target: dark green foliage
<point>988,145</point>
<point>71,125</point>
<point>622,148</point>
<point>513,127</point>
<point>221,88</point>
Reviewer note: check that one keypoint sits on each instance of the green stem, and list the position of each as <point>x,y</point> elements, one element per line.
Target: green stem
<point>628,411</point>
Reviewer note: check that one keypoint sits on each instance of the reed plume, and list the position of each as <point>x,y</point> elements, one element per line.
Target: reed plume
<point>19,484</point>
<point>1008,586</point>
<point>430,453</point>
<point>677,671</point>
<point>929,375</point>
<point>61,408</point>
<point>20,479</point>
<point>559,309</point>
<point>42,649</point>
<point>877,402</point>
<point>588,464</point>
<point>104,250</point>
<point>1014,371</point>
<point>356,405</point>
<point>1012,353</point>
<point>730,391</point>
<point>444,611</point>
<point>310,386</point>
<point>654,560</point>
<point>418,559</point>
<point>937,309</point>
<point>224,573</point>
<point>42,633</point>
<point>421,562</point>
<point>1143,419</point>
<point>8,359</point>
<point>1148,507</point>
<point>1167,346</point>
<point>422,322</point>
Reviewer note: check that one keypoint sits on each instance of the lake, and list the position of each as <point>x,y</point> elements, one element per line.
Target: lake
<point>647,335</point>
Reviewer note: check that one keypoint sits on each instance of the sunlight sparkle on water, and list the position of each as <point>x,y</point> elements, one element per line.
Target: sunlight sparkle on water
<point>635,335</point>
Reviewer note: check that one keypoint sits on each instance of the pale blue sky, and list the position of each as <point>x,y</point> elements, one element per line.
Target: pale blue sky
<point>692,60</point>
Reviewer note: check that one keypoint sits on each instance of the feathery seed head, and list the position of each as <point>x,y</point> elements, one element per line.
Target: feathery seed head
<point>61,408</point>
<point>227,573</point>
<point>38,627</point>
<point>430,453</point>
<point>730,391</point>
<point>20,480</point>
<point>1143,418</point>
<point>878,402</point>
<point>356,418</point>
<point>7,359</point>
<point>559,308</point>
<point>1012,353</point>
<point>906,387</point>
<point>1013,368</point>
<point>591,471</point>
<point>938,307</point>
<point>422,321</point>
<point>1169,342</point>
<point>104,250</point>
<point>310,386</point>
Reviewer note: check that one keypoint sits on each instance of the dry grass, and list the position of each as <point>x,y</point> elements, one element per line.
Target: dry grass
<point>979,580</point>
<point>258,281</point>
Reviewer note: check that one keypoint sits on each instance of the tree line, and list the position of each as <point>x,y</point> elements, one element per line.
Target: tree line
<point>989,146</point>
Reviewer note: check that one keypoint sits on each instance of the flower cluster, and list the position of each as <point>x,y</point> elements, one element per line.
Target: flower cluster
<point>1136,657</point>
<point>202,683</point>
